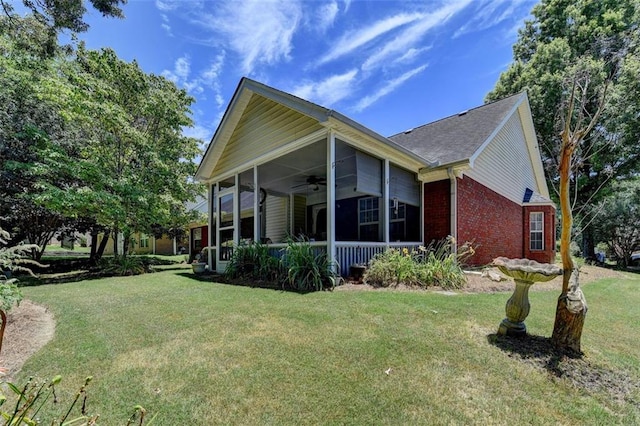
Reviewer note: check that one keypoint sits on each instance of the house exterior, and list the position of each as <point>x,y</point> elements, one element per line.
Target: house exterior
<point>280,166</point>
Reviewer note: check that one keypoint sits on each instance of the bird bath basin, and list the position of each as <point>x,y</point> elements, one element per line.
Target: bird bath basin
<point>525,273</point>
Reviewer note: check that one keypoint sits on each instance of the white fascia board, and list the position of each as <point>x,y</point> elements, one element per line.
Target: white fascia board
<point>336,117</point>
<point>499,127</point>
<point>223,133</point>
<point>429,174</point>
<point>533,147</point>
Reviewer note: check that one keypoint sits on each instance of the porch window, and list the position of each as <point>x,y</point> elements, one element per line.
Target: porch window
<point>404,205</point>
<point>144,241</point>
<point>536,230</point>
<point>397,220</point>
<point>368,219</point>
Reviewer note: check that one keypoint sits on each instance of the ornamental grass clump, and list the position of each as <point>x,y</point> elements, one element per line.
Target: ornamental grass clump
<point>308,269</point>
<point>435,265</point>
<point>252,261</point>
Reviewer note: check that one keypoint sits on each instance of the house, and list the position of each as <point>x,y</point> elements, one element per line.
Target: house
<point>280,166</point>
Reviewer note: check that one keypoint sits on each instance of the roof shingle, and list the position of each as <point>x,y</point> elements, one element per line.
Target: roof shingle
<point>458,137</point>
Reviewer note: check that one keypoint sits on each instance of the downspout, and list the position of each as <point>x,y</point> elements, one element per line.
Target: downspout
<point>453,214</point>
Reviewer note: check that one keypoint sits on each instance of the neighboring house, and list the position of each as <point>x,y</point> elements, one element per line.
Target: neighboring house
<point>279,166</point>
<point>198,231</point>
<point>140,243</point>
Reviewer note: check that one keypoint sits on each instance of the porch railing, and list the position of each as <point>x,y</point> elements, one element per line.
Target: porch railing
<point>355,252</point>
<point>349,252</point>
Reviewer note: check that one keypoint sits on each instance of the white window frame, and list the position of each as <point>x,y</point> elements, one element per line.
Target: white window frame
<point>536,218</point>
<point>144,241</point>
<point>360,209</point>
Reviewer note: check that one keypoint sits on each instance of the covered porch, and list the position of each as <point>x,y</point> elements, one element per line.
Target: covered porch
<point>324,188</point>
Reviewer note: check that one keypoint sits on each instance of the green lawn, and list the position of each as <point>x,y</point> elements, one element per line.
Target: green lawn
<point>208,353</point>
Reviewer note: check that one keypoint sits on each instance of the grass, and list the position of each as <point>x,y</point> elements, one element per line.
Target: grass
<point>206,353</point>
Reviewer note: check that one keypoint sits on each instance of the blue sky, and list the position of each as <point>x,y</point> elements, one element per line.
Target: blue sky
<point>390,65</point>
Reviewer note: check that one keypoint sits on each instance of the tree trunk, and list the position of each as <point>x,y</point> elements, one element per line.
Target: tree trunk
<point>570,314</point>
<point>115,242</point>
<point>572,306</point>
<point>98,250</point>
<point>588,245</point>
<point>94,246</point>
<point>3,318</point>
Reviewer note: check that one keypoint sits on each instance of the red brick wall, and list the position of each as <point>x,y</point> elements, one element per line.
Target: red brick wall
<point>437,210</point>
<point>548,255</point>
<point>490,220</point>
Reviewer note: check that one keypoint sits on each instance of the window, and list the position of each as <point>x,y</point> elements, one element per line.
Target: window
<point>397,220</point>
<point>536,231</point>
<point>144,241</point>
<point>368,219</point>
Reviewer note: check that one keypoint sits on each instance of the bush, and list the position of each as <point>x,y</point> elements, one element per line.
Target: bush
<point>428,266</point>
<point>123,266</point>
<point>307,269</point>
<point>252,261</point>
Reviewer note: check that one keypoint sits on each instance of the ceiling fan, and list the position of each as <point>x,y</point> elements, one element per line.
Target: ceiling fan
<point>313,182</point>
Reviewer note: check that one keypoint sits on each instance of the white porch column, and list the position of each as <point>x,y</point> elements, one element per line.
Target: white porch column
<point>331,195</point>
<point>384,208</point>
<point>236,210</point>
<point>256,206</point>
<point>210,203</point>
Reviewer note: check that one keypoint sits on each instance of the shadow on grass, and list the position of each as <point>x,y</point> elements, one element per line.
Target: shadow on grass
<point>574,368</point>
<point>242,282</point>
<point>534,349</point>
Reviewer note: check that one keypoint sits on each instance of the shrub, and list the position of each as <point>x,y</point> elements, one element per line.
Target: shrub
<point>435,265</point>
<point>123,266</point>
<point>307,269</point>
<point>252,261</point>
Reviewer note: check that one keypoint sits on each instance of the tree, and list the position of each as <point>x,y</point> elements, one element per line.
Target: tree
<point>587,86</point>
<point>28,121</point>
<point>569,58</point>
<point>562,34</point>
<point>89,141</point>
<point>69,15</point>
<point>618,223</point>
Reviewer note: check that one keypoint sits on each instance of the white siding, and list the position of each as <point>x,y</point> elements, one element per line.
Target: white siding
<point>505,164</point>
<point>265,125</point>
<point>276,215</point>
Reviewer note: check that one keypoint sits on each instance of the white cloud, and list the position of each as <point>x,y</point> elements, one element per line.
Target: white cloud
<point>166,5</point>
<point>493,12</point>
<point>165,24</point>
<point>387,88</point>
<point>180,72</point>
<point>414,34</point>
<point>204,82</point>
<point>410,55</point>
<point>328,91</point>
<point>258,31</point>
<point>198,132</point>
<point>326,15</point>
<point>211,77</point>
<point>355,39</point>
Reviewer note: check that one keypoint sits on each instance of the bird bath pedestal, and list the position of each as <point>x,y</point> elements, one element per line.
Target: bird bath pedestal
<point>525,273</point>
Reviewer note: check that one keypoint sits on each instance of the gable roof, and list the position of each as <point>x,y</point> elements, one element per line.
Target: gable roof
<point>326,117</point>
<point>459,137</point>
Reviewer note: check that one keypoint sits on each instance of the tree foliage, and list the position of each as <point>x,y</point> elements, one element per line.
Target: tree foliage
<point>599,37</point>
<point>618,224</point>
<point>89,142</point>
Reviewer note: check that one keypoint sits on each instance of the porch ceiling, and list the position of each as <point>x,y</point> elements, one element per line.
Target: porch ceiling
<point>287,174</point>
